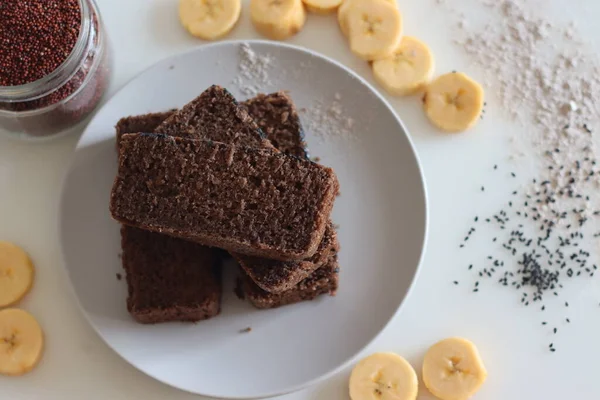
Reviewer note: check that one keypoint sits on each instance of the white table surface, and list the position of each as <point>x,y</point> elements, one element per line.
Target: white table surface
<point>78,365</point>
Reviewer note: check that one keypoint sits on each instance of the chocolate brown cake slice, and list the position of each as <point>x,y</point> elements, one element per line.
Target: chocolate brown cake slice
<point>278,118</point>
<point>276,115</point>
<point>246,200</point>
<point>169,279</point>
<point>322,281</point>
<point>215,115</point>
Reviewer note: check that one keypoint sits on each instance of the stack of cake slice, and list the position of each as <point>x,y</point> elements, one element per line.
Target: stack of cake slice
<point>229,176</point>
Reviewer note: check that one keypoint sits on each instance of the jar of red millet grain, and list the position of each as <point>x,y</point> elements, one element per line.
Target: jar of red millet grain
<point>54,65</point>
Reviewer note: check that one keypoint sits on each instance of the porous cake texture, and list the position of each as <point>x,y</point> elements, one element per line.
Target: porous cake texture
<point>246,200</point>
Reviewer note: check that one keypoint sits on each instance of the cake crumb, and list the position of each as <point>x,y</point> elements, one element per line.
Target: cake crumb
<point>119,276</point>
<point>246,330</point>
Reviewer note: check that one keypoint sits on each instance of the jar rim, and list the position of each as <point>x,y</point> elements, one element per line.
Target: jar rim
<point>62,74</point>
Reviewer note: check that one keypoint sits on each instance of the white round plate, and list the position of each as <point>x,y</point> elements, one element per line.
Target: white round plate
<point>382,217</point>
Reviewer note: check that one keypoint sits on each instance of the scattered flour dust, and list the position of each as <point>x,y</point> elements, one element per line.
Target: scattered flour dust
<point>328,120</point>
<point>323,119</point>
<point>253,71</point>
<point>548,81</point>
<point>539,71</point>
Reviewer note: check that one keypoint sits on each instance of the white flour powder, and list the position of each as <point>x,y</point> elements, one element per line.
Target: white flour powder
<point>548,82</point>
<point>324,119</point>
<point>328,120</point>
<point>253,72</point>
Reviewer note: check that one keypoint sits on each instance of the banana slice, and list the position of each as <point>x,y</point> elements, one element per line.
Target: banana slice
<point>453,102</point>
<point>383,376</point>
<point>374,28</point>
<point>277,19</point>
<point>453,370</point>
<point>342,13</point>
<point>16,273</point>
<point>407,70</point>
<point>322,7</point>
<point>21,342</point>
<point>209,19</point>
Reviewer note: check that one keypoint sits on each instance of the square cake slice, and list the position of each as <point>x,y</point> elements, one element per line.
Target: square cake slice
<point>251,201</point>
<point>215,115</point>
<point>276,115</point>
<point>169,279</point>
<point>323,281</point>
<point>149,252</point>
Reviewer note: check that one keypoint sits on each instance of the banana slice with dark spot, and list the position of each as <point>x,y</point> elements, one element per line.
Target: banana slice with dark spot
<point>209,19</point>
<point>343,10</point>
<point>383,376</point>
<point>408,70</point>
<point>453,370</point>
<point>21,342</point>
<point>277,19</point>
<point>16,273</point>
<point>374,28</point>
<point>453,102</point>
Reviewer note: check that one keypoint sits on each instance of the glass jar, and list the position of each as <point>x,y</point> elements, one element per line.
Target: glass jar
<point>51,105</point>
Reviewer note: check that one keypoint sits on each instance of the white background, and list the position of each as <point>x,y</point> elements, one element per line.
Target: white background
<point>78,365</point>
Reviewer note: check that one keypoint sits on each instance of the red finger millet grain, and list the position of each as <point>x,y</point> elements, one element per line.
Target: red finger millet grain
<point>36,37</point>
<point>58,50</point>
